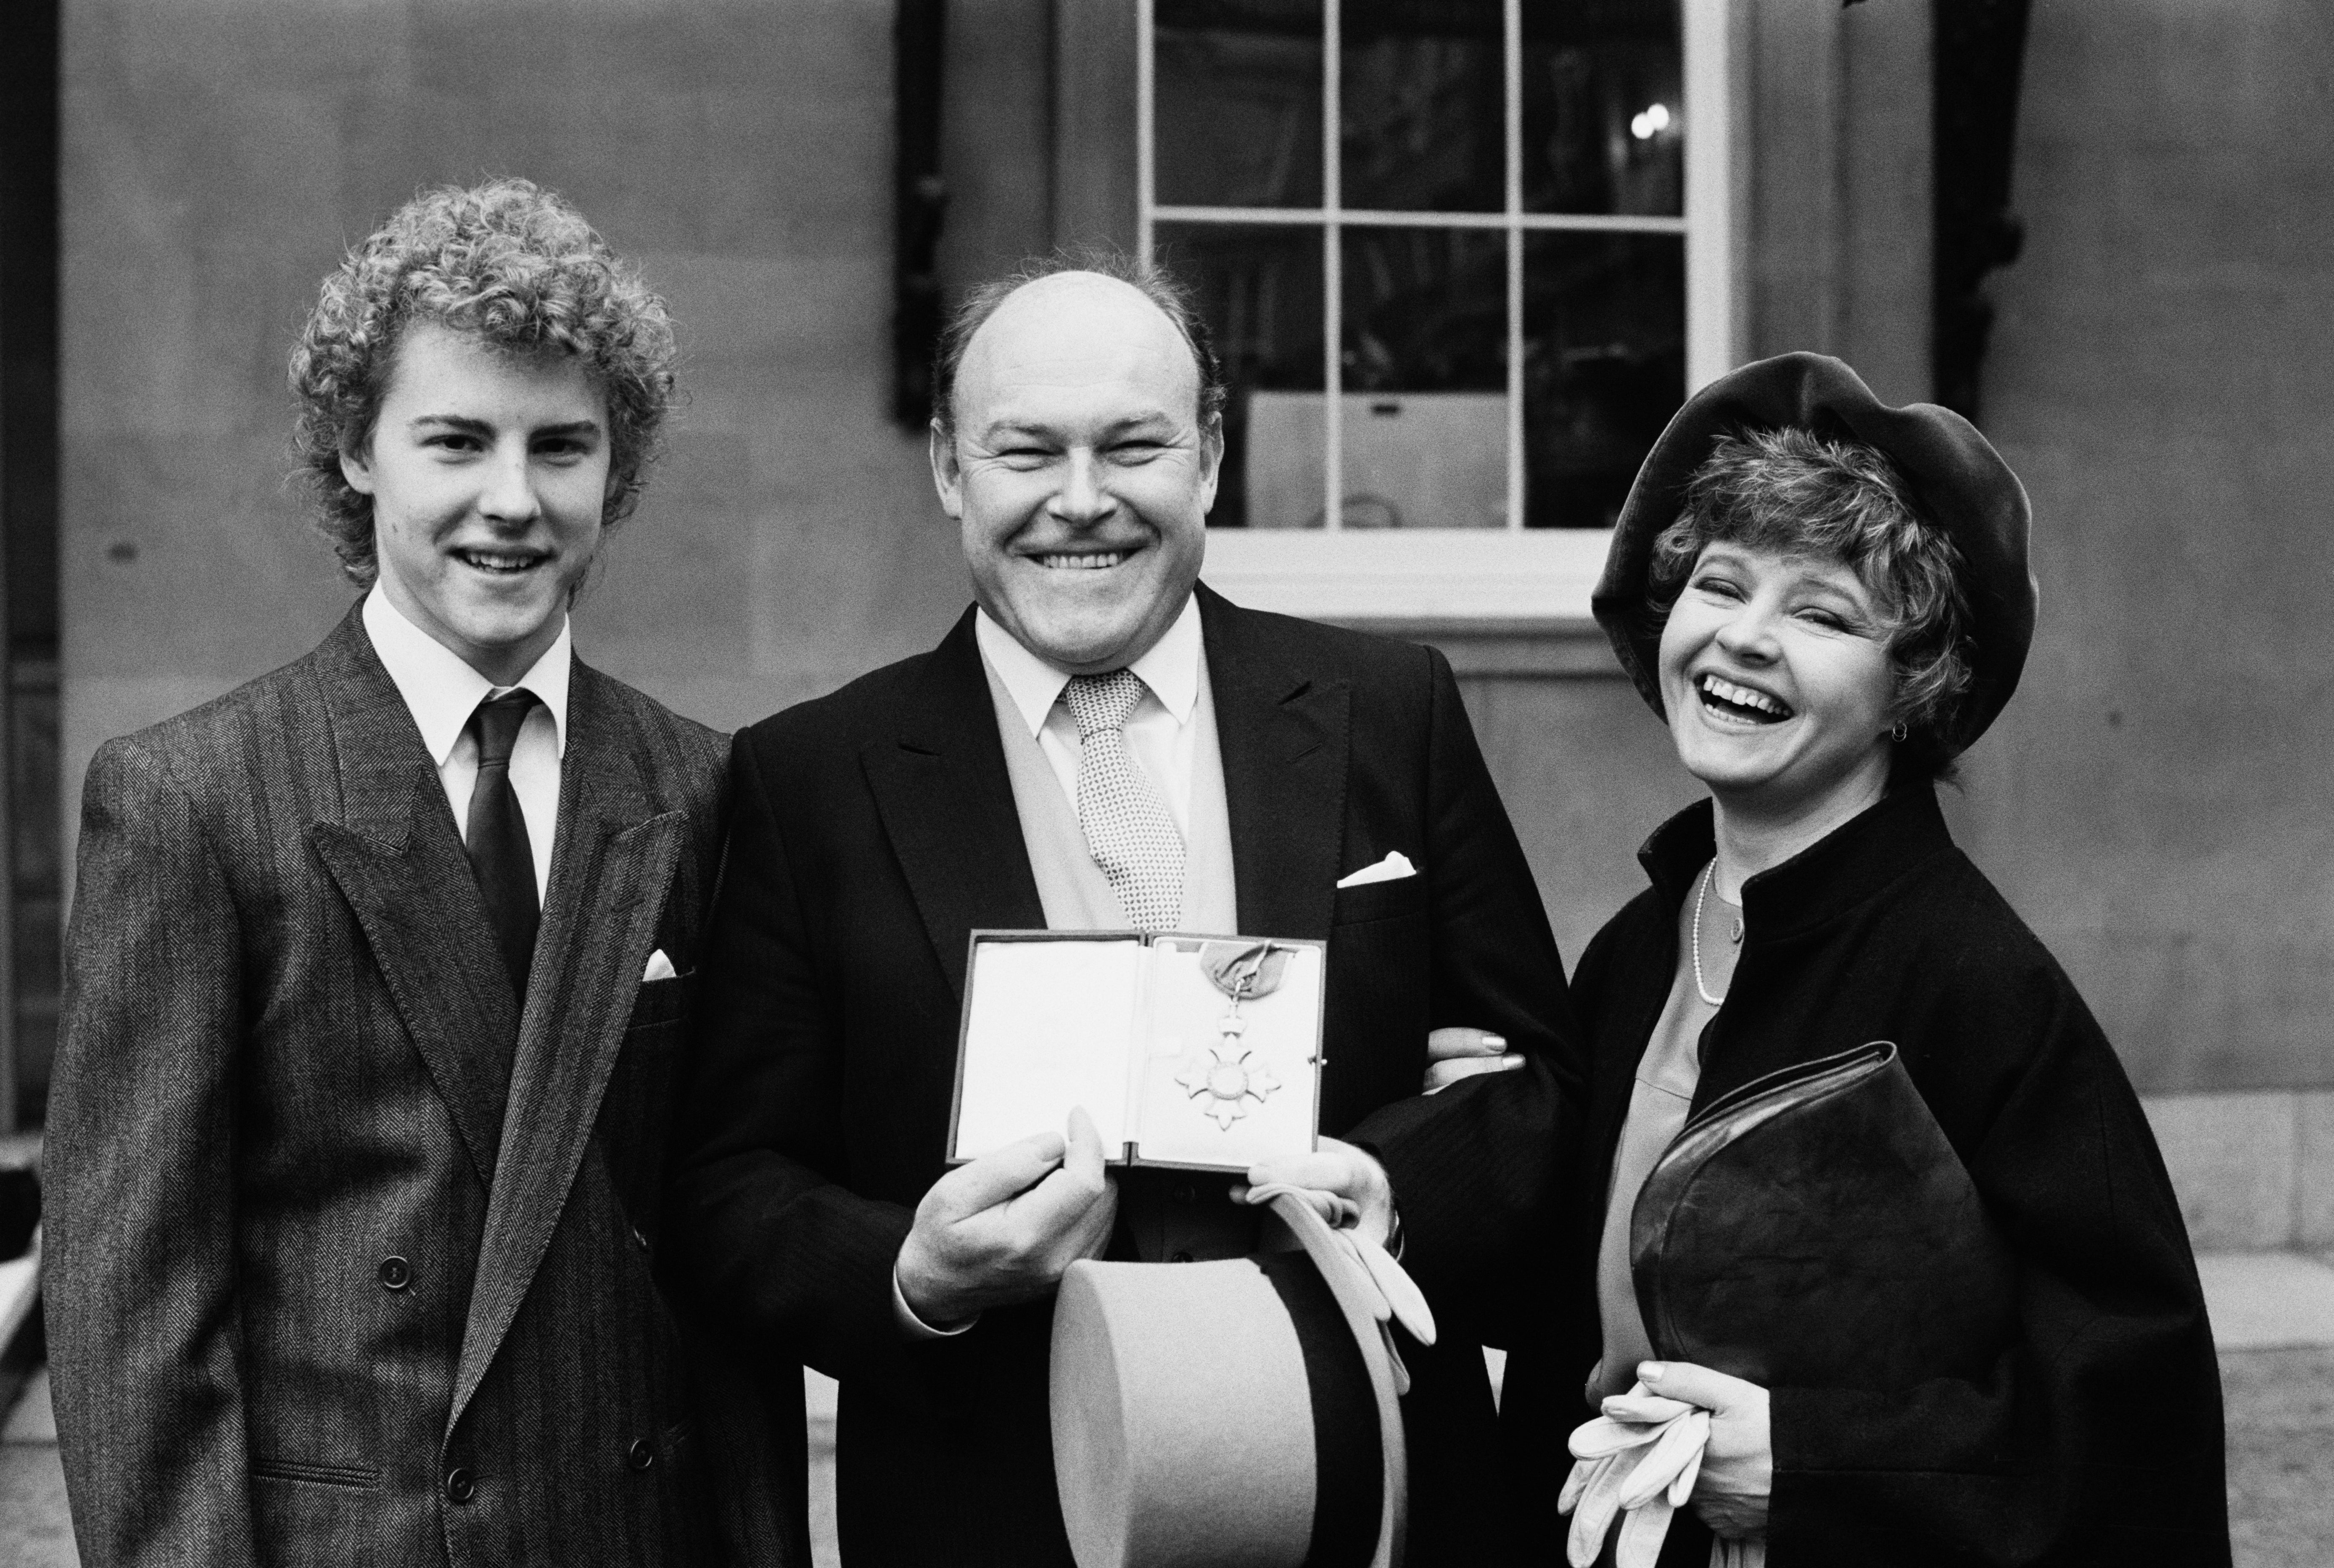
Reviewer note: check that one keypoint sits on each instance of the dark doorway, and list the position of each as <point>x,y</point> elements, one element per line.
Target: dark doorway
<point>34,869</point>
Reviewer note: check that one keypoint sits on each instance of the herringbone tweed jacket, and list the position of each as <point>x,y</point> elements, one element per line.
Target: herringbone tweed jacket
<point>351,1259</point>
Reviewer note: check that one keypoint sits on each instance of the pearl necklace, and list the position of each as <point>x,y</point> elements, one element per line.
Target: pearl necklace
<point>1700,897</point>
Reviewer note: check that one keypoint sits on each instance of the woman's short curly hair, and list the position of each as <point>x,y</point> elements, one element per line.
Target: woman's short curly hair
<point>1799,493</point>
<point>519,267</point>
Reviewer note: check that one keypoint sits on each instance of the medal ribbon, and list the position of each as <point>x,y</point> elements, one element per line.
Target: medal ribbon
<point>1245,969</point>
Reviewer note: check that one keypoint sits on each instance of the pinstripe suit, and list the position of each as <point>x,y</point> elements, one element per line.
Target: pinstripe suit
<point>351,1255</point>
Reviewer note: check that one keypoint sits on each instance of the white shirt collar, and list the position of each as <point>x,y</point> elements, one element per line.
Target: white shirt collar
<point>443,691</point>
<point>1170,669</point>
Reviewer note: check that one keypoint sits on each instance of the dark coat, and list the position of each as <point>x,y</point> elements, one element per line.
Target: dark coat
<point>302,1264</point>
<point>2097,1437</point>
<point>875,828</point>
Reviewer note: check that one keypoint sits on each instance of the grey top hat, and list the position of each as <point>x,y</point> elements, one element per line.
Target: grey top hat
<point>1244,1411</point>
<point>1958,479</point>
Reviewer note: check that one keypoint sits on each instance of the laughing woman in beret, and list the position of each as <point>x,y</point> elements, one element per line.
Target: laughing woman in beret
<point>1827,599</point>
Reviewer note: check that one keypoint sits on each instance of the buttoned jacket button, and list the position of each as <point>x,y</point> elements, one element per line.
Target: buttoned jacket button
<point>1179,1258</point>
<point>461,1486</point>
<point>640,1456</point>
<point>396,1274</point>
<point>640,1238</point>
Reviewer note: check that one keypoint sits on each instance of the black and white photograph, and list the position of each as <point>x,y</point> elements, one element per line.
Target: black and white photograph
<point>1167,783</point>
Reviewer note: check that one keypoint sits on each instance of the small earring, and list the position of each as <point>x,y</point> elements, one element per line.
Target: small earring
<point>1898,732</point>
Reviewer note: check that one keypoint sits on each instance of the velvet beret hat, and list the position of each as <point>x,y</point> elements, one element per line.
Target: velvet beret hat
<point>1959,482</point>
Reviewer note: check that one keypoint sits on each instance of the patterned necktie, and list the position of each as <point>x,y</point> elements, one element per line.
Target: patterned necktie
<point>501,858</point>
<point>1131,837</point>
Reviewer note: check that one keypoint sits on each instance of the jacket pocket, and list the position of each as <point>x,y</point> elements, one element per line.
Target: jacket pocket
<point>661,1001</point>
<point>635,1113</point>
<point>1379,901</point>
<point>353,1477</point>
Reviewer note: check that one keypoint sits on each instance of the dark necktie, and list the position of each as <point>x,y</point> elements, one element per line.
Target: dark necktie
<point>500,856</point>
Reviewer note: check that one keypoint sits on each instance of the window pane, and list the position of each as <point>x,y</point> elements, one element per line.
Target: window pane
<point>1425,356</point>
<point>1419,105</point>
<point>1603,119</point>
<point>1604,368</point>
<point>1259,291</point>
<point>1238,103</point>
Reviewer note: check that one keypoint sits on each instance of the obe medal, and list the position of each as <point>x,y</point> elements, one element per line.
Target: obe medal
<point>1226,1077</point>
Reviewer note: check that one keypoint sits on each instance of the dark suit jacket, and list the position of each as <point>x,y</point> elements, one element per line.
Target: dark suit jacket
<point>874,829</point>
<point>302,1264</point>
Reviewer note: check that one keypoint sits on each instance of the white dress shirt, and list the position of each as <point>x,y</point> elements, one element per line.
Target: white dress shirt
<point>442,692</point>
<point>1160,735</point>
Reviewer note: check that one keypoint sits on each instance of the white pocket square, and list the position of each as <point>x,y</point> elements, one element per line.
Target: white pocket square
<point>1393,869</point>
<point>660,967</point>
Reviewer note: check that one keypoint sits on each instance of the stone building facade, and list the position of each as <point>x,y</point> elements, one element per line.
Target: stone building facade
<point>2160,802</point>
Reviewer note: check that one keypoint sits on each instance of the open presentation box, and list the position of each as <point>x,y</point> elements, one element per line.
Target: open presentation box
<point>1133,1026</point>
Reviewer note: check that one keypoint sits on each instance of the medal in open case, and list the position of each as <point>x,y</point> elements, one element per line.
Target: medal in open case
<point>1195,1052</point>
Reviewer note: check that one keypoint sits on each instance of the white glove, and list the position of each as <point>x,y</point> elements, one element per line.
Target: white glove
<point>1638,1460</point>
<point>1395,1298</point>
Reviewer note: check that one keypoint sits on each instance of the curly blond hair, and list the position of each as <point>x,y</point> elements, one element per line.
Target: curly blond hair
<point>511,263</point>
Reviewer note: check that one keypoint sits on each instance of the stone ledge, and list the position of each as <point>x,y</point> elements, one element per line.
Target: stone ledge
<point>2276,1300</point>
<point>20,1290</point>
<point>2254,1171</point>
<point>1555,649</point>
<point>35,1417</point>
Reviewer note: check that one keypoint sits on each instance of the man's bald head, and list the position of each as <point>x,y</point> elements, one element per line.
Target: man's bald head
<point>1168,294</point>
<point>1079,457</point>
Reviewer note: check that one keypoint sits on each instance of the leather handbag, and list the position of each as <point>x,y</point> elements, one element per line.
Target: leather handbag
<point>1243,1413</point>
<point>1814,1228</point>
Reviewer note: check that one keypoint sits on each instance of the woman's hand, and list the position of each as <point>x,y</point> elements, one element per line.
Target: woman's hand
<point>1738,1467</point>
<point>1455,1054</point>
<point>1340,1168</point>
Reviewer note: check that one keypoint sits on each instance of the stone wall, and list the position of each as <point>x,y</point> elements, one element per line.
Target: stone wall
<point>2160,800</point>
<point>2156,803</point>
<point>218,154</point>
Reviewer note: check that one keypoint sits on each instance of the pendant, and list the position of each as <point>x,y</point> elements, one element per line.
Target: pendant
<point>1223,1077</point>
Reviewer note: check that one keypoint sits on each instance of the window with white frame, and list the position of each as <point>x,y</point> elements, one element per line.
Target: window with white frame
<point>1463,259</point>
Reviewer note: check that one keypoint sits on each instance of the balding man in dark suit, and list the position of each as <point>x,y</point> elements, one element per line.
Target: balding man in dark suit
<point>1100,742</point>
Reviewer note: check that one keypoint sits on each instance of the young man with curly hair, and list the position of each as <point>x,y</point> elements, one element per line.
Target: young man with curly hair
<point>376,978</point>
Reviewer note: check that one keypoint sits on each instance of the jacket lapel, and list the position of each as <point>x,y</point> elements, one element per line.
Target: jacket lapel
<point>613,863</point>
<point>947,804</point>
<point>398,860</point>
<point>1284,737</point>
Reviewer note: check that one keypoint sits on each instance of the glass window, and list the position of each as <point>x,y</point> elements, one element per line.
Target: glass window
<point>1603,124</point>
<point>1239,91</point>
<point>1419,101</point>
<point>1448,247</point>
<point>1259,287</point>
